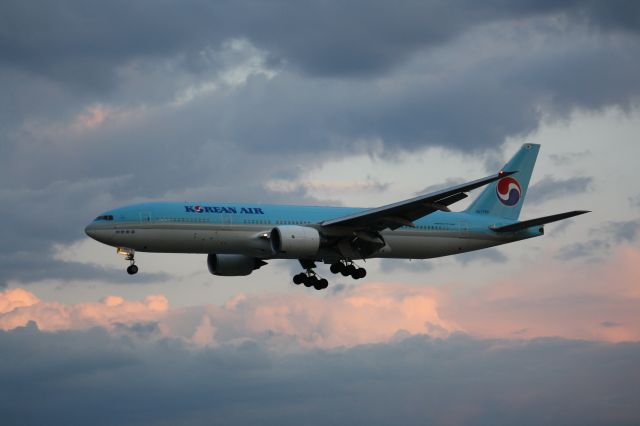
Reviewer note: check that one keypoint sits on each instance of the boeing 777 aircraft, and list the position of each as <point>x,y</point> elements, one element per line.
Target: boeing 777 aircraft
<point>239,238</point>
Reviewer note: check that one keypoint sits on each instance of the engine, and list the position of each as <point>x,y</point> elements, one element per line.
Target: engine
<point>232,265</point>
<point>296,241</point>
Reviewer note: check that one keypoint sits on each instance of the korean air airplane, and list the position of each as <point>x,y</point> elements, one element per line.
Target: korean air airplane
<point>240,238</point>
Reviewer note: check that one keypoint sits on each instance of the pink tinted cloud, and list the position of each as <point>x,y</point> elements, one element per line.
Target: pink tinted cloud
<point>598,301</point>
<point>594,301</point>
<point>369,313</point>
<point>19,306</point>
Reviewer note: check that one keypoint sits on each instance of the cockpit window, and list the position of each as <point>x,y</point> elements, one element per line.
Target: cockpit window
<point>105,217</point>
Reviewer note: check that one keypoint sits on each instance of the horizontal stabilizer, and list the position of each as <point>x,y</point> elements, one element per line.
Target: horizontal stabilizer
<point>539,221</point>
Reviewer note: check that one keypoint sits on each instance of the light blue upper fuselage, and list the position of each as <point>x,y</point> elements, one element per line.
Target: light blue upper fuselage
<point>275,214</point>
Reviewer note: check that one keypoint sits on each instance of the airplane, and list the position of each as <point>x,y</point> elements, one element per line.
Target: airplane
<point>239,238</point>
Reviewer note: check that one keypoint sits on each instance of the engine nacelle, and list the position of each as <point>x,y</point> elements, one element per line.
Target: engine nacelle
<point>294,240</point>
<point>232,265</point>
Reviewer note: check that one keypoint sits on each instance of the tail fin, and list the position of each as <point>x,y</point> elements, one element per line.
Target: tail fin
<point>505,197</point>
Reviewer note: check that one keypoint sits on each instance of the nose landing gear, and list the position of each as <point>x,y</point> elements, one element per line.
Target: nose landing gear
<point>129,255</point>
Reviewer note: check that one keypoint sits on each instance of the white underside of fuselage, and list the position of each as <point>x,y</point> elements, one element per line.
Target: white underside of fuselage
<point>252,240</point>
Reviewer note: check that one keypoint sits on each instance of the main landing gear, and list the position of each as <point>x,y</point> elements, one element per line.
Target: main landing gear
<point>129,255</point>
<point>348,269</point>
<point>310,279</point>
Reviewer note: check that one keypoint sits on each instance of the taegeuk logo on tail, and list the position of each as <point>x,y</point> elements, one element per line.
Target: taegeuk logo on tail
<point>508,191</point>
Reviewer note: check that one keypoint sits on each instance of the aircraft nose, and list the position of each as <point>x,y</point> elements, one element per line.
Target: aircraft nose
<point>90,230</point>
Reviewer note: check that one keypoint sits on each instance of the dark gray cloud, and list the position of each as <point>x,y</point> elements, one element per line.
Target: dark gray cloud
<point>41,264</point>
<point>624,231</point>
<point>549,188</point>
<point>35,220</point>
<point>94,46</point>
<point>635,201</point>
<point>592,250</point>
<point>80,376</point>
<point>608,235</point>
<point>84,42</point>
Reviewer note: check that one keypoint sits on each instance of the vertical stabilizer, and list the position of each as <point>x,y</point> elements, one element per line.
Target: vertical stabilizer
<point>505,197</point>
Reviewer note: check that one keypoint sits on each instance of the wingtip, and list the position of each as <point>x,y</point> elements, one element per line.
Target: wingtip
<point>503,173</point>
<point>579,212</point>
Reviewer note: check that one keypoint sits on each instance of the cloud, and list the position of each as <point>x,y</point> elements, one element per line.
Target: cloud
<point>41,264</point>
<point>610,324</point>
<point>449,182</point>
<point>341,318</point>
<point>530,302</point>
<point>147,63</point>
<point>592,249</point>
<point>556,299</point>
<point>395,348</point>
<point>45,41</point>
<point>549,188</point>
<point>569,157</point>
<point>34,219</point>
<point>18,307</point>
<point>416,380</point>
<point>342,186</point>
<point>624,231</point>
<point>611,235</point>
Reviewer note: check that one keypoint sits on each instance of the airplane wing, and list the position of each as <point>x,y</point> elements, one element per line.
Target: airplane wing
<point>403,213</point>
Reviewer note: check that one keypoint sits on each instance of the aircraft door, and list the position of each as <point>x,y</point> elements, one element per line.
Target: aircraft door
<point>145,216</point>
<point>225,219</point>
<point>463,227</point>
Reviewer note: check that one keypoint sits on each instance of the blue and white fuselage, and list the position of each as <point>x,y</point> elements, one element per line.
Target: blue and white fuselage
<point>239,238</point>
<point>175,227</point>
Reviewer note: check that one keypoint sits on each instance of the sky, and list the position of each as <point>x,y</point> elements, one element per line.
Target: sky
<point>354,103</point>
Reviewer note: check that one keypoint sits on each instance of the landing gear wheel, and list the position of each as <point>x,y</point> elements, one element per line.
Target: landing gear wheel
<point>321,284</point>
<point>359,273</point>
<point>310,281</point>
<point>129,256</point>
<point>348,270</point>
<point>309,277</point>
<point>336,268</point>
